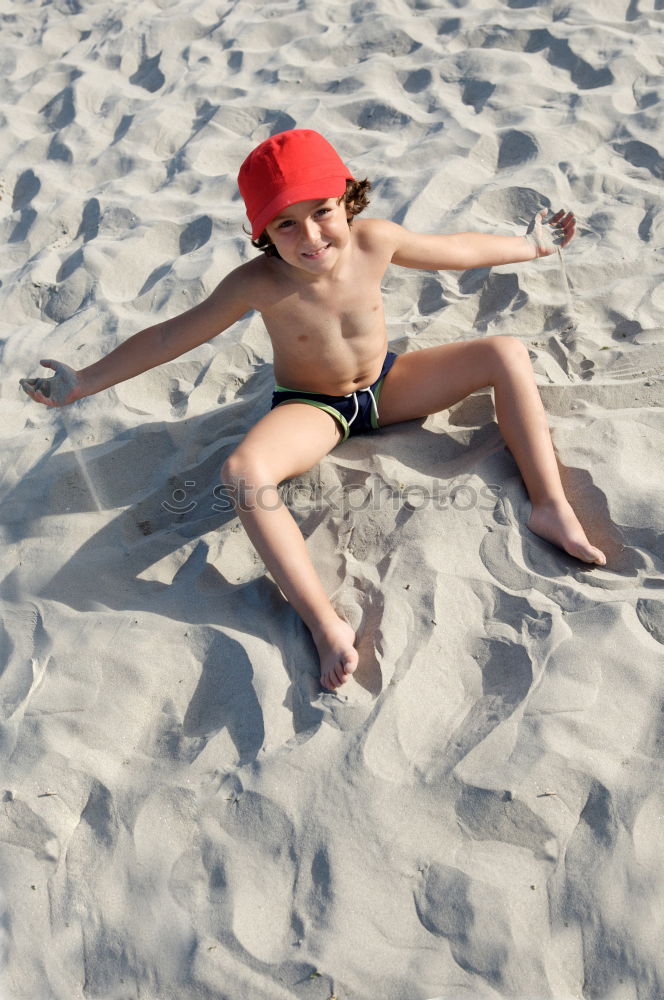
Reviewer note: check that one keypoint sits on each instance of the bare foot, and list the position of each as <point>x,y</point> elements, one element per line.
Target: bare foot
<point>338,656</point>
<point>557,523</point>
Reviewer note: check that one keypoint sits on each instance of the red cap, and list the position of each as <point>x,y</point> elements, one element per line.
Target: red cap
<point>292,166</point>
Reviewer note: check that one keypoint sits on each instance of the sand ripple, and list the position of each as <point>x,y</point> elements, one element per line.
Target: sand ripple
<point>183,813</point>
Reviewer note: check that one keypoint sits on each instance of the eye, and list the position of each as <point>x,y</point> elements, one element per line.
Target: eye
<point>285,224</point>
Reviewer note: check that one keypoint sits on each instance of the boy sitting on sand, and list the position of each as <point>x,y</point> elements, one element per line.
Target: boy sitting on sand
<point>317,287</point>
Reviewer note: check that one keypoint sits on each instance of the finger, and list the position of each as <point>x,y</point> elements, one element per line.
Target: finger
<point>53,365</point>
<point>568,226</point>
<point>566,220</point>
<point>27,387</point>
<point>560,219</point>
<point>565,225</point>
<point>35,394</point>
<point>31,385</point>
<point>43,385</point>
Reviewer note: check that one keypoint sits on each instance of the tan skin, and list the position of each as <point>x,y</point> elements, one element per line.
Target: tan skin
<point>322,307</point>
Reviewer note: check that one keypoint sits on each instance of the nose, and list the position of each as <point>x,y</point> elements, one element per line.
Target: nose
<point>311,231</point>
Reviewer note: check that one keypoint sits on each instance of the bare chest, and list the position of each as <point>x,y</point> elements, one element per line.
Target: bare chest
<point>321,319</point>
<point>323,346</point>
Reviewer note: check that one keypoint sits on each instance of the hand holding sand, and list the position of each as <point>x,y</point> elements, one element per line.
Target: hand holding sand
<point>548,235</point>
<point>60,389</point>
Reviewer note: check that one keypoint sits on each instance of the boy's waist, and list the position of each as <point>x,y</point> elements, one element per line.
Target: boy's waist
<point>359,385</point>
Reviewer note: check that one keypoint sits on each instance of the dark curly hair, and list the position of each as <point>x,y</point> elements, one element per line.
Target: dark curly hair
<point>355,199</point>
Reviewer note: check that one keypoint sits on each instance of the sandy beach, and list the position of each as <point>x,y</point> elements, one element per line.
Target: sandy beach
<point>185,814</point>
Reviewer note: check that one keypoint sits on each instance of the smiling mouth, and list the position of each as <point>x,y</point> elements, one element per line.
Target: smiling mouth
<point>311,254</point>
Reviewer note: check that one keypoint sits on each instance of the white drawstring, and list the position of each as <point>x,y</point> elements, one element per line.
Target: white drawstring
<point>357,405</point>
<point>373,403</point>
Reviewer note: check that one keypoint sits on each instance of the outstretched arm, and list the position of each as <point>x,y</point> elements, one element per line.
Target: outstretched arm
<point>147,349</point>
<point>467,250</point>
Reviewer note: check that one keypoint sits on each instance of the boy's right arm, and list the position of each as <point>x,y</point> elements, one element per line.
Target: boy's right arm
<point>147,349</point>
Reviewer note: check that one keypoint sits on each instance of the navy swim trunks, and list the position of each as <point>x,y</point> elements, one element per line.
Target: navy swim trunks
<point>356,413</point>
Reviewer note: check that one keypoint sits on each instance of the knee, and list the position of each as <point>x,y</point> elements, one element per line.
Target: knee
<point>243,467</point>
<point>508,353</point>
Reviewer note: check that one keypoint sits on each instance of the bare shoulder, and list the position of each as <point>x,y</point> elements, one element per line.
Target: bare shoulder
<point>378,236</point>
<point>252,274</point>
<point>245,283</point>
<point>372,231</point>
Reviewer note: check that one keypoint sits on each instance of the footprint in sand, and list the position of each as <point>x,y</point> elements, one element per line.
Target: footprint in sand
<point>22,647</point>
<point>363,611</point>
<point>245,868</point>
<point>651,615</point>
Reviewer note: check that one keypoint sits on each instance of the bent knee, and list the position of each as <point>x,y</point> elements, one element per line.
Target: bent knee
<point>508,351</point>
<point>244,467</point>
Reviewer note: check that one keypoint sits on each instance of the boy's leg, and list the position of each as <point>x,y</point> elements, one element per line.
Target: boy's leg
<point>285,443</point>
<point>433,379</point>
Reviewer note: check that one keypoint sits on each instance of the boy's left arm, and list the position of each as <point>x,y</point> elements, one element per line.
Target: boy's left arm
<point>467,250</point>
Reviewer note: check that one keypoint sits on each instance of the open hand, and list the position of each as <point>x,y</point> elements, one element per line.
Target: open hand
<point>550,234</point>
<point>62,388</point>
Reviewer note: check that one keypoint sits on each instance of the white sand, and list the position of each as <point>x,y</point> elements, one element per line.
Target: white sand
<point>184,815</point>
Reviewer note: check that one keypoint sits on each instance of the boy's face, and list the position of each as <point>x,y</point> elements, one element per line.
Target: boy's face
<point>311,235</point>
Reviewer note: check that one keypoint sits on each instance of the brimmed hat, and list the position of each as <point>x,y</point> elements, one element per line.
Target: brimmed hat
<point>292,166</point>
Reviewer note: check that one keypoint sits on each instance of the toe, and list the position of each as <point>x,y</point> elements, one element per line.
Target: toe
<point>587,553</point>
